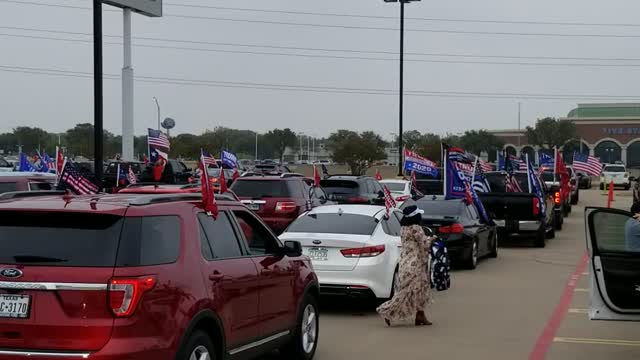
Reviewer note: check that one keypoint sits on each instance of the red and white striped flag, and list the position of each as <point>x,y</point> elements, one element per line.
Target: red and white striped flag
<point>131,176</point>
<point>485,166</point>
<point>389,203</point>
<point>587,164</point>
<point>70,178</point>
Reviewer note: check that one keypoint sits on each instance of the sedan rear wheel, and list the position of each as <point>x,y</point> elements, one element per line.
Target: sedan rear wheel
<point>494,248</point>
<point>472,259</point>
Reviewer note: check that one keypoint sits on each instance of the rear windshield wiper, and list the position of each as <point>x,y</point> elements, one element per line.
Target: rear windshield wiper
<point>37,259</point>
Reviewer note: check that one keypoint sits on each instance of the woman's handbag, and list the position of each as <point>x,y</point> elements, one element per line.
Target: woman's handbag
<point>440,267</point>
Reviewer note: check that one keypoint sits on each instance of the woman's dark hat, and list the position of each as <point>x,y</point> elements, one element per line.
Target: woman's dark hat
<point>411,211</point>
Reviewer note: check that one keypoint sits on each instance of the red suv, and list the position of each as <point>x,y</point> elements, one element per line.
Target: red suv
<point>131,276</point>
<point>279,200</point>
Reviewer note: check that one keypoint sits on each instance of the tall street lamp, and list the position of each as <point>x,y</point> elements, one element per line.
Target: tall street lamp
<point>400,143</point>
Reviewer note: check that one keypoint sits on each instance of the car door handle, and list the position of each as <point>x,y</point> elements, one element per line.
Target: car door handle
<point>216,276</point>
<point>266,272</point>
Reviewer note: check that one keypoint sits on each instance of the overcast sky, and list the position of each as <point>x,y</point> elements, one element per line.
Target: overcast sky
<point>58,103</point>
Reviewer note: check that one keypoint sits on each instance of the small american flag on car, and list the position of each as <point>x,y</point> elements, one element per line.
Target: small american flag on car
<point>207,158</point>
<point>511,184</point>
<point>70,178</point>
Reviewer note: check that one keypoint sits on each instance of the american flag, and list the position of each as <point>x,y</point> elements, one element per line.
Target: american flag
<point>480,182</point>
<point>485,166</point>
<point>131,176</point>
<point>587,164</point>
<point>70,178</point>
<point>159,140</point>
<point>208,159</point>
<point>511,184</point>
<point>389,203</point>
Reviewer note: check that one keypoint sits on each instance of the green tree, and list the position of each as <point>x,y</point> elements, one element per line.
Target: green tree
<point>549,133</point>
<point>479,141</point>
<point>185,146</point>
<point>31,139</point>
<point>280,139</point>
<point>358,151</point>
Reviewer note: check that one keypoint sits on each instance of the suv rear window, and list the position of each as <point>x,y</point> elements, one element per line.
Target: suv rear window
<point>614,169</point>
<point>496,180</point>
<point>8,187</point>
<point>87,240</point>
<point>334,224</point>
<point>349,187</point>
<point>59,239</point>
<point>257,189</point>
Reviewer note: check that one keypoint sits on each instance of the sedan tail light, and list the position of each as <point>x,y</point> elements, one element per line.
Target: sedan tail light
<point>125,294</point>
<point>403,198</point>
<point>456,228</point>
<point>363,252</point>
<point>286,206</point>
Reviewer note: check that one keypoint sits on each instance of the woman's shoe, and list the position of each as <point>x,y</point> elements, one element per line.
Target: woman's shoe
<point>421,319</point>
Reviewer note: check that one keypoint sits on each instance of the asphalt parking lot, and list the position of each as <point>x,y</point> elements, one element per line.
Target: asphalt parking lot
<point>526,304</point>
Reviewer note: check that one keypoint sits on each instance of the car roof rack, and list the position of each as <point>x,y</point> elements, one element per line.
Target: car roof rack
<point>349,175</point>
<point>29,194</point>
<point>164,198</point>
<point>290,175</point>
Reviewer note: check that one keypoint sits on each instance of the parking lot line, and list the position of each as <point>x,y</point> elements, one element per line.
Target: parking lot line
<point>596,341</point>
<point>548,334</point>
<point>578,311</point>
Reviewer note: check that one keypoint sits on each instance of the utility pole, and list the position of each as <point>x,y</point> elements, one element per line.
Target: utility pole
<point>157,106</point>
<point>97,91</point>
<point>256,146</point>
<point>127,89</point>
<point>519,135</point>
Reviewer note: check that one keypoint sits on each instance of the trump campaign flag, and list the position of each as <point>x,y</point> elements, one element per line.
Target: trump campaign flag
<point>536,187</point>
<point>545,160</point>
<point>389,203</point>
<point>229,159</point>
<point>25,165</point>
<point>419,164</point>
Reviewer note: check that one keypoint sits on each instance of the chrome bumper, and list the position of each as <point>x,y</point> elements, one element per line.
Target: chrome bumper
<point>524,225</point>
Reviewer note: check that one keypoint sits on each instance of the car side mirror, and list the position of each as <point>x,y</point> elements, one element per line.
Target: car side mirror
<point>292,248</point>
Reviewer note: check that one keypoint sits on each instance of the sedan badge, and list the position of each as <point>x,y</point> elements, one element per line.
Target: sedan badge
<point>317,242</point>
<point>11,273</point>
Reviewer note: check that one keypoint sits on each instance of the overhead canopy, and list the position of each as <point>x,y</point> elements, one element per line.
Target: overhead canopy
<point>151,8</point>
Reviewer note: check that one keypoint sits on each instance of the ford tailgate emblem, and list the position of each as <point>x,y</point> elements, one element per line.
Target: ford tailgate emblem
<point>317,242</point>
<point>11,273</point>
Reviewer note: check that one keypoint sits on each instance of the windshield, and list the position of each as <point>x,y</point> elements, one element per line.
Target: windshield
<point>547,176</point>
<point>4,163</point>
<point>257,189</point>
<point>441,208</point>
<point>351,224</point>
<point>496,180</point>
<point>614,169</point>
<point>394,186</point>
<point>215,172</point>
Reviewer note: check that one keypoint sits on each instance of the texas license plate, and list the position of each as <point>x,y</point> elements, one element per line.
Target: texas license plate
<point>14,306</point>
<point>318,254</point>
<point>254,207</point>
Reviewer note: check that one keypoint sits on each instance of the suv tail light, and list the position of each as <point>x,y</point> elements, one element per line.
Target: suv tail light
<point>358,200</point>
<point>556,198</point>
<point>286,206</point>
<point>402,198</point>
<point>363,252</point>
<point>456,228</point>
<point>125,294</point>
<point>536,206</point>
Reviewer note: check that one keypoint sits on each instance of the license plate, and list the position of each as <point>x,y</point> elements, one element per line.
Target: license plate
<point>14,306</point>
<point>318,254</point>
<point>254,207</point>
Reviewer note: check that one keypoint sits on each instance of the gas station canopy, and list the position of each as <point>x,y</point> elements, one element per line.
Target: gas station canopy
<point>152,8</point>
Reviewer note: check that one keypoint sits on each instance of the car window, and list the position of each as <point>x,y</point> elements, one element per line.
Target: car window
<point>441,207</point>
<point>220,236</point>
<point>616,232</point>
<point>340,187</point>
<point>391,226</point>
<point>149,240</point>
<point>59,238</point>
<point>319,194</point>
<point>4,163</point>
<point>376,186</point>
<point>472,212</point>
<point>8,187</point>
<point>614,169</point>
<point>371,188</point>
<point>259,239</point>
<point>41,186</point>
<point>330,223</point>
<point>395,186</point>
<point>295,188</point>
<point>257,189</point>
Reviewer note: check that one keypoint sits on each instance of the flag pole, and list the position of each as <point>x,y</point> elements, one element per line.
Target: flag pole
<point>528,171</point>
<point>444,169</point>
<point>118,175</point>
<point>475,164</point>
<point>555,162</point>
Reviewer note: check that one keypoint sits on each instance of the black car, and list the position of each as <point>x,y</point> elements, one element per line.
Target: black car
<point>270,169</point>
<point>458,224</point>
<point>350,189</point>
<point>175,172</point>
<point>110,179</point>
<point>214,174</point>
<point>584,180</point>
<point>87,169</point>
<point>429,184</point>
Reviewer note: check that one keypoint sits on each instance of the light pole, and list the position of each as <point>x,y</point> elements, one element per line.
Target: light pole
<point>97,92</point>
<point>400,149</point>
<point>256,147</point>
<point>158,106</point>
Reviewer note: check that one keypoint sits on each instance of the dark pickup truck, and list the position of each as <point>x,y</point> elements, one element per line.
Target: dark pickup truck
<point>518,212</point>
<point>430,185</point>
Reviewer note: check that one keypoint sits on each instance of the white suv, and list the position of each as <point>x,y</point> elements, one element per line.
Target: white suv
<point>616,173</point>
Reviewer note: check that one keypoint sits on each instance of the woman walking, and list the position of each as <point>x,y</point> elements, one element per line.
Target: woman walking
<point>413,294</point>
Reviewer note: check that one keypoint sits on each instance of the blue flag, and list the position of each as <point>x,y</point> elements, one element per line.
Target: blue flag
<point>536,188</point>
<point>229,159</point>
<point>545,160</point>
<point>25,165</point>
